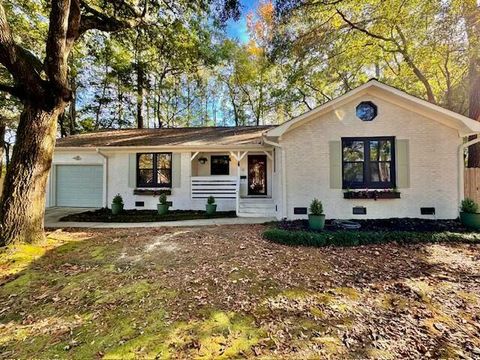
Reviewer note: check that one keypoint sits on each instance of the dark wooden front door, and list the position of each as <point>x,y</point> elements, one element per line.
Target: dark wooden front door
<point>257,175</point>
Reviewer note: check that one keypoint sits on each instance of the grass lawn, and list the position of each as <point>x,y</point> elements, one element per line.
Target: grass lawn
<point>224,292</point>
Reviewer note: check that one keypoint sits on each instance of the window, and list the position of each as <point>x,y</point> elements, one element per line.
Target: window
<point>366,111</point>
<point>368,163</point>
<point>220,165</point>
<point>154,170</point>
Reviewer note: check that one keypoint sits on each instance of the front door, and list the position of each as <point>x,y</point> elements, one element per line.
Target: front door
<point>257,175</point>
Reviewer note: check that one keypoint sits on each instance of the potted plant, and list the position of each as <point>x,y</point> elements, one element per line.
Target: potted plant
<point>316,218</point>
<point>117,204</point>
<point>469,214</point>
<point>211,207</point>
<point>163,205</point>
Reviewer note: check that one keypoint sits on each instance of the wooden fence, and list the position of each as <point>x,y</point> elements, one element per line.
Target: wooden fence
<point>472,183</point>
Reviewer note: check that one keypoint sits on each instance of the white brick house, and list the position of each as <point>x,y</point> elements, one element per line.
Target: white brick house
<point>375,152</point>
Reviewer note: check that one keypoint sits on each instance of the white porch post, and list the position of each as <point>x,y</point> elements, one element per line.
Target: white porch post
<point>238,157</point>
<point>237,192</point>
<point>238,183</point>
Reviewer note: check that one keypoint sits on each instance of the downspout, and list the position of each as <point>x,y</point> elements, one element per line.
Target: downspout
<point>105,177</point>
<point>284,175</point>
<point>461,166</point>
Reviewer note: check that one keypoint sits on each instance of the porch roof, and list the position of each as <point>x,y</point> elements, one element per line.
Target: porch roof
<point>171,137</point>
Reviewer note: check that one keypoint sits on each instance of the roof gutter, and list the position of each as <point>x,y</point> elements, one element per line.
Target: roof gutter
<point>284,175</point>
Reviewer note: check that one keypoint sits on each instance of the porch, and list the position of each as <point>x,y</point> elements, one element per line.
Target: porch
<point>243,178</point>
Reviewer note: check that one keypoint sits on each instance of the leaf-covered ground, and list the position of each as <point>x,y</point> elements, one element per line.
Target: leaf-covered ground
<point>224,292</point>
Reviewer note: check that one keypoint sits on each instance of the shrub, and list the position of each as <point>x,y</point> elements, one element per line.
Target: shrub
<point>353,238</point>
<point>162,199</point>
<point>118,199</point>
<point>469,206</point>
<point>211,200</point>
<point>316,207</point>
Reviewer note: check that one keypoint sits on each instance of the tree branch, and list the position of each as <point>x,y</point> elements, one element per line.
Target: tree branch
<point>57,52</point>
<point>99,21</point>
<point>361,29</point>
<point>12,90</point>
<point>20,63</point>
<point>74,20</point>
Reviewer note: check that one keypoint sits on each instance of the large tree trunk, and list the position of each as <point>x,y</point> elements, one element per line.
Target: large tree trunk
<point>23,198</point>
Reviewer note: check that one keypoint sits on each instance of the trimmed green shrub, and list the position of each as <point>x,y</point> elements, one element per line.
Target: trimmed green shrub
<point>469,206</point>
<point>162,199</point>
<point>117,200</point>
<point>316,207</point>
<point>211,200</point>
<point>353,238</point>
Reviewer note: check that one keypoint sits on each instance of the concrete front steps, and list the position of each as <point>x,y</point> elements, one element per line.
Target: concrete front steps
<point>256,207</point>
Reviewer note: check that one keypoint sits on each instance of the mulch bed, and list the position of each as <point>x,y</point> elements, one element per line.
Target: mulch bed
<point>135,216</point>
<point>393,224</point>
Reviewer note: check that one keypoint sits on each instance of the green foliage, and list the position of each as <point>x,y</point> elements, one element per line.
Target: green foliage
<point>117,200</point>
<point>418,46</point>
<point>354,238</point>
<point>211,200</point>
<point>316,207</point>
<point>162,199</point>
<point>469,206</point>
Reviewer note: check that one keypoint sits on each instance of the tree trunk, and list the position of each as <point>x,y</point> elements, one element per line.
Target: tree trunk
<point>61,122</point>
<point>23,199</point>
<point>2,146</point>
<point>72,110</point>
<point>474,113</point>
<point>140,93</point>
<point>472,18</point>
<point>6,147</point>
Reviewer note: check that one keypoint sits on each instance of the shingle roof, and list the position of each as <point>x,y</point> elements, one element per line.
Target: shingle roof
<point>188,136</point>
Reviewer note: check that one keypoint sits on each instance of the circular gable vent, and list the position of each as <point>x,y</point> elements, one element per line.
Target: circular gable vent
<point>366,111</point>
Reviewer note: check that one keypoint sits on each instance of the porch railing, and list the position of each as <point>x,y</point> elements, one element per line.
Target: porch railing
<point>220,187</point>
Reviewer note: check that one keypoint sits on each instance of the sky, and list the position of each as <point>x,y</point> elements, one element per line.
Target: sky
<point>238,29</point>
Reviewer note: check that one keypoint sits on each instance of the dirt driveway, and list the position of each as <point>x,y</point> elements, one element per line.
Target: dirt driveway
<point>224,292</point>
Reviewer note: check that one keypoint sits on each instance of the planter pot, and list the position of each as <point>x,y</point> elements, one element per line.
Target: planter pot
<point>162,209</point>
<point>211,209</point>
<point>117,209</point>
<point>316,222</point>
<point>470,220</point>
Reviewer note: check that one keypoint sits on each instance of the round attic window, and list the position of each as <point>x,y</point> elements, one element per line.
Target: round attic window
<point>366,111</point>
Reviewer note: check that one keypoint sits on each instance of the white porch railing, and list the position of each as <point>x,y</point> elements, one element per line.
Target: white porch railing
<point>220,187</point>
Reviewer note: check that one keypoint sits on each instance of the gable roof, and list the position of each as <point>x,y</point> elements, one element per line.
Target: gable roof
<point>167,137</point>
<point>463,124</point>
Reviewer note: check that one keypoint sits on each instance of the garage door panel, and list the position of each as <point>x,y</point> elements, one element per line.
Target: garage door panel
<point>79,185</point>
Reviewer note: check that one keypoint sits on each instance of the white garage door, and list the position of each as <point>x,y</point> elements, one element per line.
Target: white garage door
<point>79,185</point>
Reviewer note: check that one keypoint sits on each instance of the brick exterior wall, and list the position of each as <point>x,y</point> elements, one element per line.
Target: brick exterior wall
<point>433,162</point>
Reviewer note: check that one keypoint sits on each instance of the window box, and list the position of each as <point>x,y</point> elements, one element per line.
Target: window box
<point>152,192</point>
<point>371,194</point>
